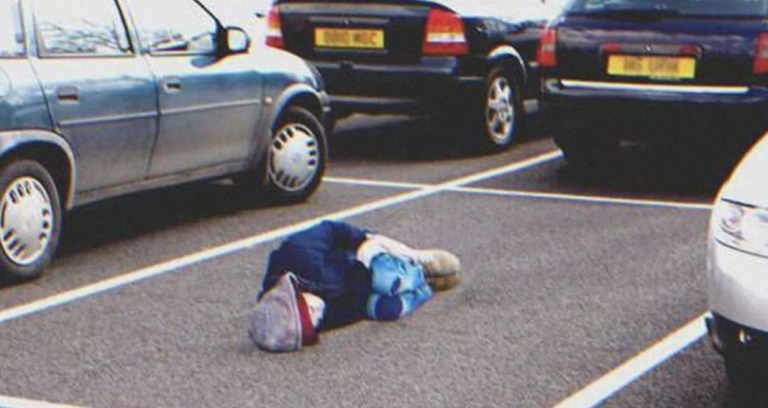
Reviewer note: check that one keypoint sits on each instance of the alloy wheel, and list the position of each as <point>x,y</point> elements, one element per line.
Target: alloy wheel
<point>500,111</point>
<point>26,221</point>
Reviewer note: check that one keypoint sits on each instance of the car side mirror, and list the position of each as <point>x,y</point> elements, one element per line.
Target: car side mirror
<point>238,41</point>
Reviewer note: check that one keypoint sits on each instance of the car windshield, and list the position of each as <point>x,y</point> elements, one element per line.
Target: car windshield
<point>742,8</point>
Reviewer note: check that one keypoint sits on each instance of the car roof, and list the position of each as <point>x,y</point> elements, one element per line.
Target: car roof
<point>505,9</point>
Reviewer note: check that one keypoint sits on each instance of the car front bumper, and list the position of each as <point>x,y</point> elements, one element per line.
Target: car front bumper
<point>641,112</point>
<point>738,296</point>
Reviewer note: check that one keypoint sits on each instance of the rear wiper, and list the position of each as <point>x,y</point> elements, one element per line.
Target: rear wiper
<point>629,11</point>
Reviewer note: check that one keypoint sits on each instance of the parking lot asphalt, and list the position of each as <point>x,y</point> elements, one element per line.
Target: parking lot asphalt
<point>565,279</point>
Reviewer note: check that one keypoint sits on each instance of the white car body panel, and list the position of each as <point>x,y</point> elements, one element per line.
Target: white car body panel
<point>738,281</point>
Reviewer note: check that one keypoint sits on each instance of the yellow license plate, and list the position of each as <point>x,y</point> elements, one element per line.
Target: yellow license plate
<point>652,66</point>
<point>349,38</point>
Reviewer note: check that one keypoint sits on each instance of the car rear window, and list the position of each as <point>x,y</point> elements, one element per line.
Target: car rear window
<point>746,8</point>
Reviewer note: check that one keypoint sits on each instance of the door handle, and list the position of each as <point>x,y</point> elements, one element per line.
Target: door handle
<point>172,84</point>
<point>68,94</point>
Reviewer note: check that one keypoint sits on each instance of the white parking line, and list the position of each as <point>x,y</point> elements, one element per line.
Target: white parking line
<point>375,183</point>
<point>11,402</point>
<point>528,194</point>
<point>585,198</point>
<point>627,373</point>
<point>212,253</point>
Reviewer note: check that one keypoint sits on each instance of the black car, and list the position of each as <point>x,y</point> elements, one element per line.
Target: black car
<point>465,61</point>
<point>689,72</point>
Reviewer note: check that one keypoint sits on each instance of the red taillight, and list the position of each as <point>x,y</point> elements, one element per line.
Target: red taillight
<point>445,34</point>
<point>274,28</point>
<point>547,53</point>
<point>761,55</point>
<point>610,48</point>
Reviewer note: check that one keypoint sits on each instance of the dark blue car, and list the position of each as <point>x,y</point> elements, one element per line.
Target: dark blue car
<point>658,71</point>
<point>468,62</point>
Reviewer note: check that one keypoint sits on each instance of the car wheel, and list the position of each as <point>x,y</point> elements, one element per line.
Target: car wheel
<point>294,161</point>
<point>30,219</point>
<point>502,110</point>
<point>746,381</point>
<point>745,374</point>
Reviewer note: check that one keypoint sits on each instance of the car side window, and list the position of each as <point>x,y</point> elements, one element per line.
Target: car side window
<point>80,27</point>
<point>175,27</point>
<point>11,30</point>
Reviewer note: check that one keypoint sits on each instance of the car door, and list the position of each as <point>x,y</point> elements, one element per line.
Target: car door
<point>100,93</point>
<point>209,102</point>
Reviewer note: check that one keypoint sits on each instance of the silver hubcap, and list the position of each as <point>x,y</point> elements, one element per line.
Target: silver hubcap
<point>26,221</point>
<point>294,158</point>
<point>500,111</point>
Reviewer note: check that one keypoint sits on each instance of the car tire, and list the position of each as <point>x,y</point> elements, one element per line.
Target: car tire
<point>294,161</point>
<point>502,113</point>
<point>467,122</point>
<point>30,219</point>
<point>745,374</point>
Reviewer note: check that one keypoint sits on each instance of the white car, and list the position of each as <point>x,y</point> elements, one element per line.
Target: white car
<point>738,269</point>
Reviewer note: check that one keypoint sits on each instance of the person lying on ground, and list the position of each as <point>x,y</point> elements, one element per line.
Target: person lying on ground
<point>333,274</point>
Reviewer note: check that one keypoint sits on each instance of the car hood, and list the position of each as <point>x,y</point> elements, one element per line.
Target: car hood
<point>748,181</point>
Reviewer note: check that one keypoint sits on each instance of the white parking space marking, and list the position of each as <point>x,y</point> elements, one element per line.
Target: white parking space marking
<point>11,402</point>
<point>528,194</point>
<point>375,183</point>
<point>219,251</point>
<point>627,373</point>
<point>585,198</point>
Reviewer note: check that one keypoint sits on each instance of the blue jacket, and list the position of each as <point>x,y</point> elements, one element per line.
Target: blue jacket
<point>324,260</point>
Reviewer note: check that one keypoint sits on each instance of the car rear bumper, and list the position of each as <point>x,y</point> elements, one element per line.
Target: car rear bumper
<point>641,112</point>
<point>398,88</point>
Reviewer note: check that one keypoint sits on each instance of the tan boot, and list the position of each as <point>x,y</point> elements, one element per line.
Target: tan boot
<point>440,283</point>
<point>441,268</point>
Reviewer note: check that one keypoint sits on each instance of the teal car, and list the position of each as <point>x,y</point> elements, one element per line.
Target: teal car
<point>101,98</point>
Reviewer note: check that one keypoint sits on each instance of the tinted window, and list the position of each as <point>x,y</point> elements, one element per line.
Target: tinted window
<point>685,7</point>
<point>175,26</point>
<point>74,27</point>
<point>11,31</point>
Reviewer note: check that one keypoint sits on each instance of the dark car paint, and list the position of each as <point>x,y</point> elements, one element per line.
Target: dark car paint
<point>401,79</point>
<point>726,46</point>
<point>725,51</point>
